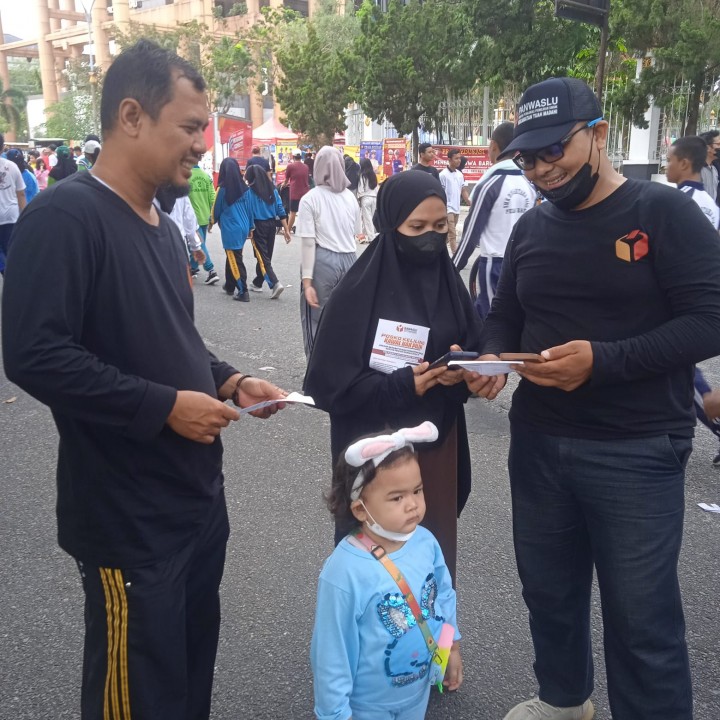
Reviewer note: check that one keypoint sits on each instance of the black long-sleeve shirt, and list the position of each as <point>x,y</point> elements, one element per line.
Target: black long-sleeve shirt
<point>638,275</point>
<point>98,325</point>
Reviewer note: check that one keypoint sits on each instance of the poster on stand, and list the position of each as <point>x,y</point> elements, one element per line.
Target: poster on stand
<point>395,156</point>
<point>372,150</point>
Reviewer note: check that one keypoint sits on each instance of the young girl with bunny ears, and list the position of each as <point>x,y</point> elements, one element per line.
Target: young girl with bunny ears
<point>385,597</point>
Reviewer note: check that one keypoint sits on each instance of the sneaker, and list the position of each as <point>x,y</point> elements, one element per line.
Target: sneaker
<point>255,288</point>
<point>212,278</point>
<point>278,287</point>
<point>194,273</point>
<point>244,297</point>
<point>716,461</point>
<point>536,709</point>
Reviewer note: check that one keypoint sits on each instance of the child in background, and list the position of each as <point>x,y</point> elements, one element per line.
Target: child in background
<point>370,655</point>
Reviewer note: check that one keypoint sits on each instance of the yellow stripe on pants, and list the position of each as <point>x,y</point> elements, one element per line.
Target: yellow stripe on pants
<point>117,690</point>
<point>233,264</point>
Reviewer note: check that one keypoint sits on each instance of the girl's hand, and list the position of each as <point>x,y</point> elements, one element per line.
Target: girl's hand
<point>426,379</point>
<point>454,673</point>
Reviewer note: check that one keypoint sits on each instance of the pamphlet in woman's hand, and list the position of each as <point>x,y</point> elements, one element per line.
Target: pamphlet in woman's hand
<point>293,397</point>
<point>485,367</point>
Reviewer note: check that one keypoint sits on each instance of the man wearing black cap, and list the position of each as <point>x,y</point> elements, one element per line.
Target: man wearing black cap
<point>601,281</point>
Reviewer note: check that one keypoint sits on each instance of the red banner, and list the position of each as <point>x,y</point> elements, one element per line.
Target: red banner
<point>478,160</point>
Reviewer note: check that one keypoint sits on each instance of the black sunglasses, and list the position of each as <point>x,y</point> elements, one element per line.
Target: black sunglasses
<point>551,153</point>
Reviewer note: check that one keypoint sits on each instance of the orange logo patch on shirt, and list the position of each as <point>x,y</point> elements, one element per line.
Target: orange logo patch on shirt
<point>632,247</point>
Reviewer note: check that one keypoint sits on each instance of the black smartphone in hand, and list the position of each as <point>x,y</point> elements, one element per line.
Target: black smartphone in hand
<point>454,355</point>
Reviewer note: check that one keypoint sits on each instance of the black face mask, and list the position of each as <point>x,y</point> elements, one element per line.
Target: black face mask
<point>576,190</point>
<point>422,249</point>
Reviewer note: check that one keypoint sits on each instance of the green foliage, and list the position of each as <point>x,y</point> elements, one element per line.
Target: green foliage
<point>684,36</point>
<point>226,63</point>
<point>76,115</point>
<point>411,58</point>
<point>316,68</point>
<point>521,42</point>
<point>12,106</point>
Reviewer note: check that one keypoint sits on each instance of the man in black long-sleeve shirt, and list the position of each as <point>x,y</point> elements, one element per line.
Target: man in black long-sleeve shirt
<point>98,325</point>
<point>617,284</point>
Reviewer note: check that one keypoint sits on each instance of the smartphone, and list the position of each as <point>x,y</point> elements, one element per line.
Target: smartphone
<point>522,357</point>
<point>453,355</point>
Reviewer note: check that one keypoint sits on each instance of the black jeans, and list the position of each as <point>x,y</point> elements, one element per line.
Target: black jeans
<point>151,633</point>
<point>263,242</point>
<point>617,505</point>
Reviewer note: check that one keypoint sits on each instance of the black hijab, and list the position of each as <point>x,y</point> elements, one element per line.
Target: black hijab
<point>261,184</point>
<point>65,166</point>
<point>352,172</point>
<point>383,284</point>
<point>230,178</point>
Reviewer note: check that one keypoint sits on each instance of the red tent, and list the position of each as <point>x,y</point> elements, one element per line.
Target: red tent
<point>272,131</point>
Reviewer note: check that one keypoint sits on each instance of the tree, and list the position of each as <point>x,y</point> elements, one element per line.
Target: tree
<point>314,82</point>
<point>224,61</point>
<point>75,115</point>
<point>684,37</point>
<point>410,59</point>
<point>521,42</point>
<point>12,105</point>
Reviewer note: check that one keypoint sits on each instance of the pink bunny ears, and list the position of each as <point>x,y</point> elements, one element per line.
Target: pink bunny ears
<point>378,448</point>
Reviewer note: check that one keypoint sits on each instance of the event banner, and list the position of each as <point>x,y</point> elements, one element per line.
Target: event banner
<point>372,150</point>
<point>395,156</point>
<point>353,151</point>
<point>478,160</point>
<point>283,155</point>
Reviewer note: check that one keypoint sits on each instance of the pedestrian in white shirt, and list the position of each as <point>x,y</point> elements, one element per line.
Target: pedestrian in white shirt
<point>453,182</point>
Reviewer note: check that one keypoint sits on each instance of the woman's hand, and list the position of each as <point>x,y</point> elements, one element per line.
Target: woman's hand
<point>487,386</point>
<point>311,297</point>
<point>453,376</point>
<point>426,379</point>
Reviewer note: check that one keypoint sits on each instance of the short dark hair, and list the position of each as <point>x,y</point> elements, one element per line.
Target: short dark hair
<point>502,135</point>
<point>692,148</point>
<point>709,136</point>
<point>452,153</point>
<point>422,147</point>
<point>145,72</point>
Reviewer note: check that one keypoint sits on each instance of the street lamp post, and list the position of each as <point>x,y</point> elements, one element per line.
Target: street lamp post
<point>87,8</point>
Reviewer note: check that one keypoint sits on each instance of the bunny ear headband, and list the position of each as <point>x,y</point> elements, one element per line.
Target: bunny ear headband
<point>379,447</point>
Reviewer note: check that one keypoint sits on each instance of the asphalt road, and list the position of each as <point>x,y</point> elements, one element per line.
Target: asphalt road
<point>276,471</point>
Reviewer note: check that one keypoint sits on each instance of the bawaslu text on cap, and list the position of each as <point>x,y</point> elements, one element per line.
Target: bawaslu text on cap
<point>549,110</point>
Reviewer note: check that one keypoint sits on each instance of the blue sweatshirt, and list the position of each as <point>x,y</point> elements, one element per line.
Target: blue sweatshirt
<point>235,221</point>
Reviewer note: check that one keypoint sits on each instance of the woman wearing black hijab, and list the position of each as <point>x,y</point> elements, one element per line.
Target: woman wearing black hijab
<point>233,215</point>
<point>406,277</point>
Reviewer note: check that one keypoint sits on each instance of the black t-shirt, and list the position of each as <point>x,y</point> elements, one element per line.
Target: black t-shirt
<point>638,275</point>
<point>431,170</point>
<point>98,325</point>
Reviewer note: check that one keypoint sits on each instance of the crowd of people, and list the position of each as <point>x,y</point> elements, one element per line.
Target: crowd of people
<point>606,294</point>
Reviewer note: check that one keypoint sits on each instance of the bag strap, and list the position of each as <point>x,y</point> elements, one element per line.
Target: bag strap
<point>378,552</point>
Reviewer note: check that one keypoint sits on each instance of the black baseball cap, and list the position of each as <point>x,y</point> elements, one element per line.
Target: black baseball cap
<point>549,110</point>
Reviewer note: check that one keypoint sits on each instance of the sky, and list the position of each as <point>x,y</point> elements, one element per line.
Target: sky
<point>19,18</point>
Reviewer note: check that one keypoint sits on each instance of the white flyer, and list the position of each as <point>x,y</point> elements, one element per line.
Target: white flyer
<point>486,367</point>
<point>293,397</point>
<point>398,344</point>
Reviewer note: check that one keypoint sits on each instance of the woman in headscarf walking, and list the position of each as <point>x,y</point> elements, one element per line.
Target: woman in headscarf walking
<point>328,221</point>
<point>233,215</point>
<point>265,206</point>
<point>65,166</point>
<point>405,284</point>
